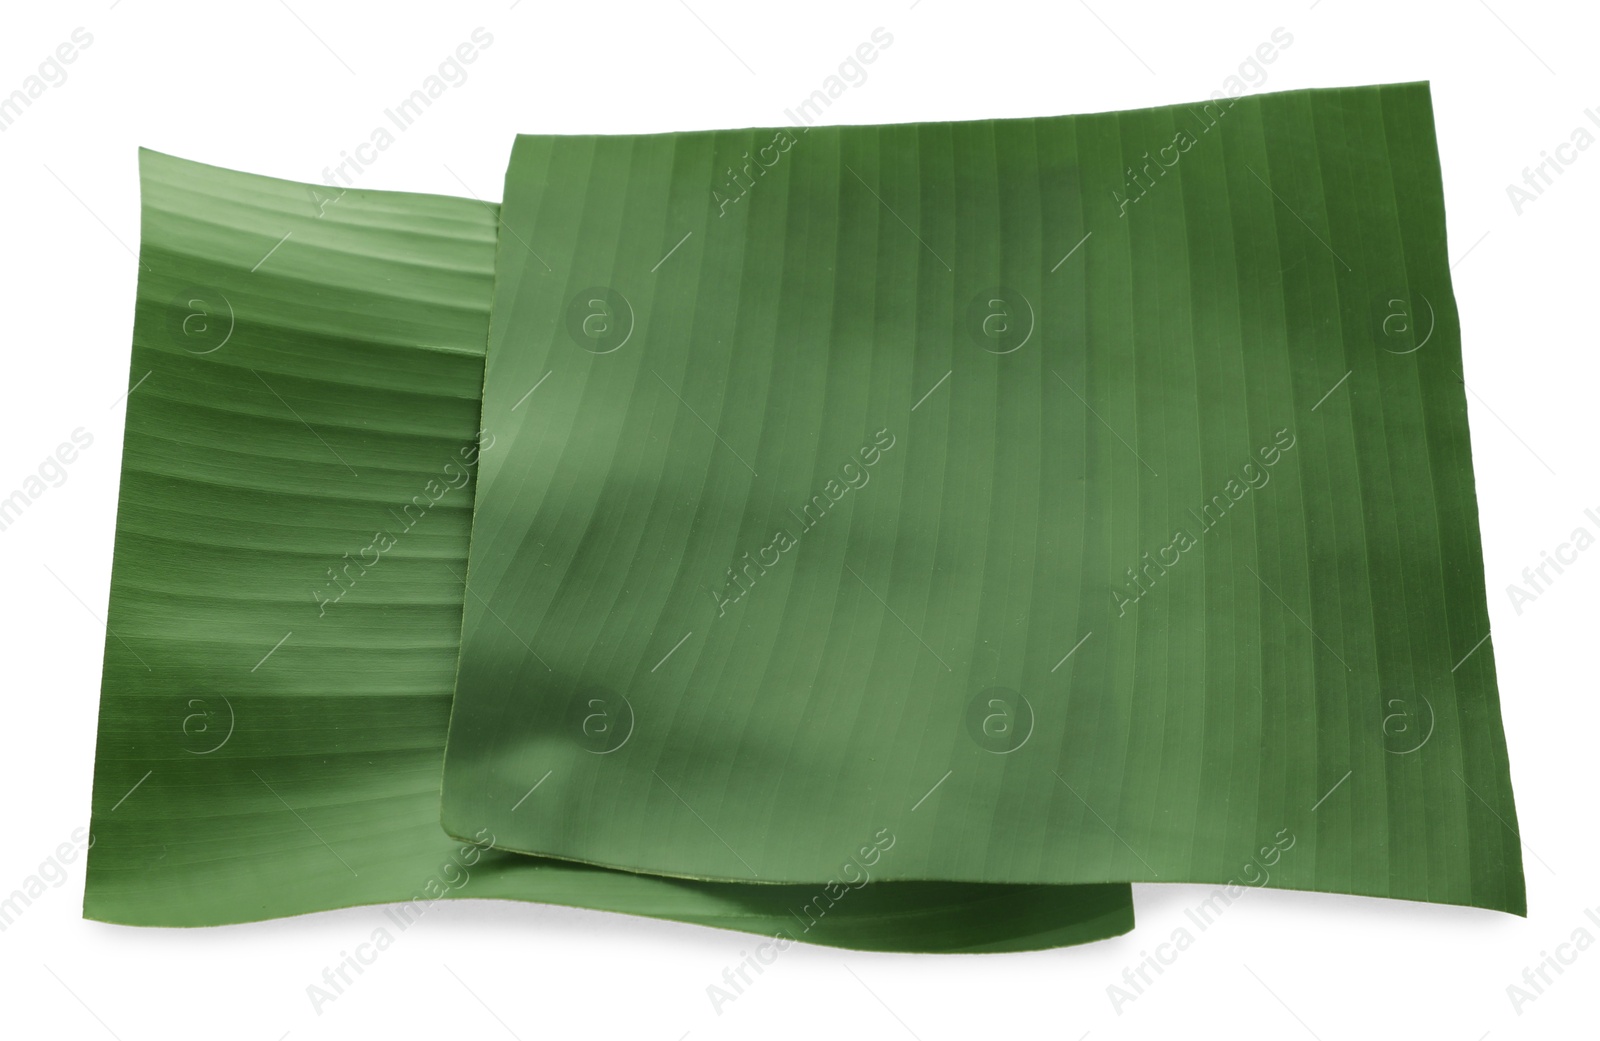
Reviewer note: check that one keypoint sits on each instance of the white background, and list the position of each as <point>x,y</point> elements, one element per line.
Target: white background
<point>255,86</point>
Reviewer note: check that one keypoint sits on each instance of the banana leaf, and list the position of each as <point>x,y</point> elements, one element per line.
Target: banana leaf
<point>1068,500</point>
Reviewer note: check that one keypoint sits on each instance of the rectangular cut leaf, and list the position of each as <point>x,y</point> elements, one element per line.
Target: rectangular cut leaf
<point>286,598</point>
<point>1076,500</point>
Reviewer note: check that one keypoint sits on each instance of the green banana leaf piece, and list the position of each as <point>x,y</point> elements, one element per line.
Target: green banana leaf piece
<point>297,487</point>
<point>1056,501</point>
